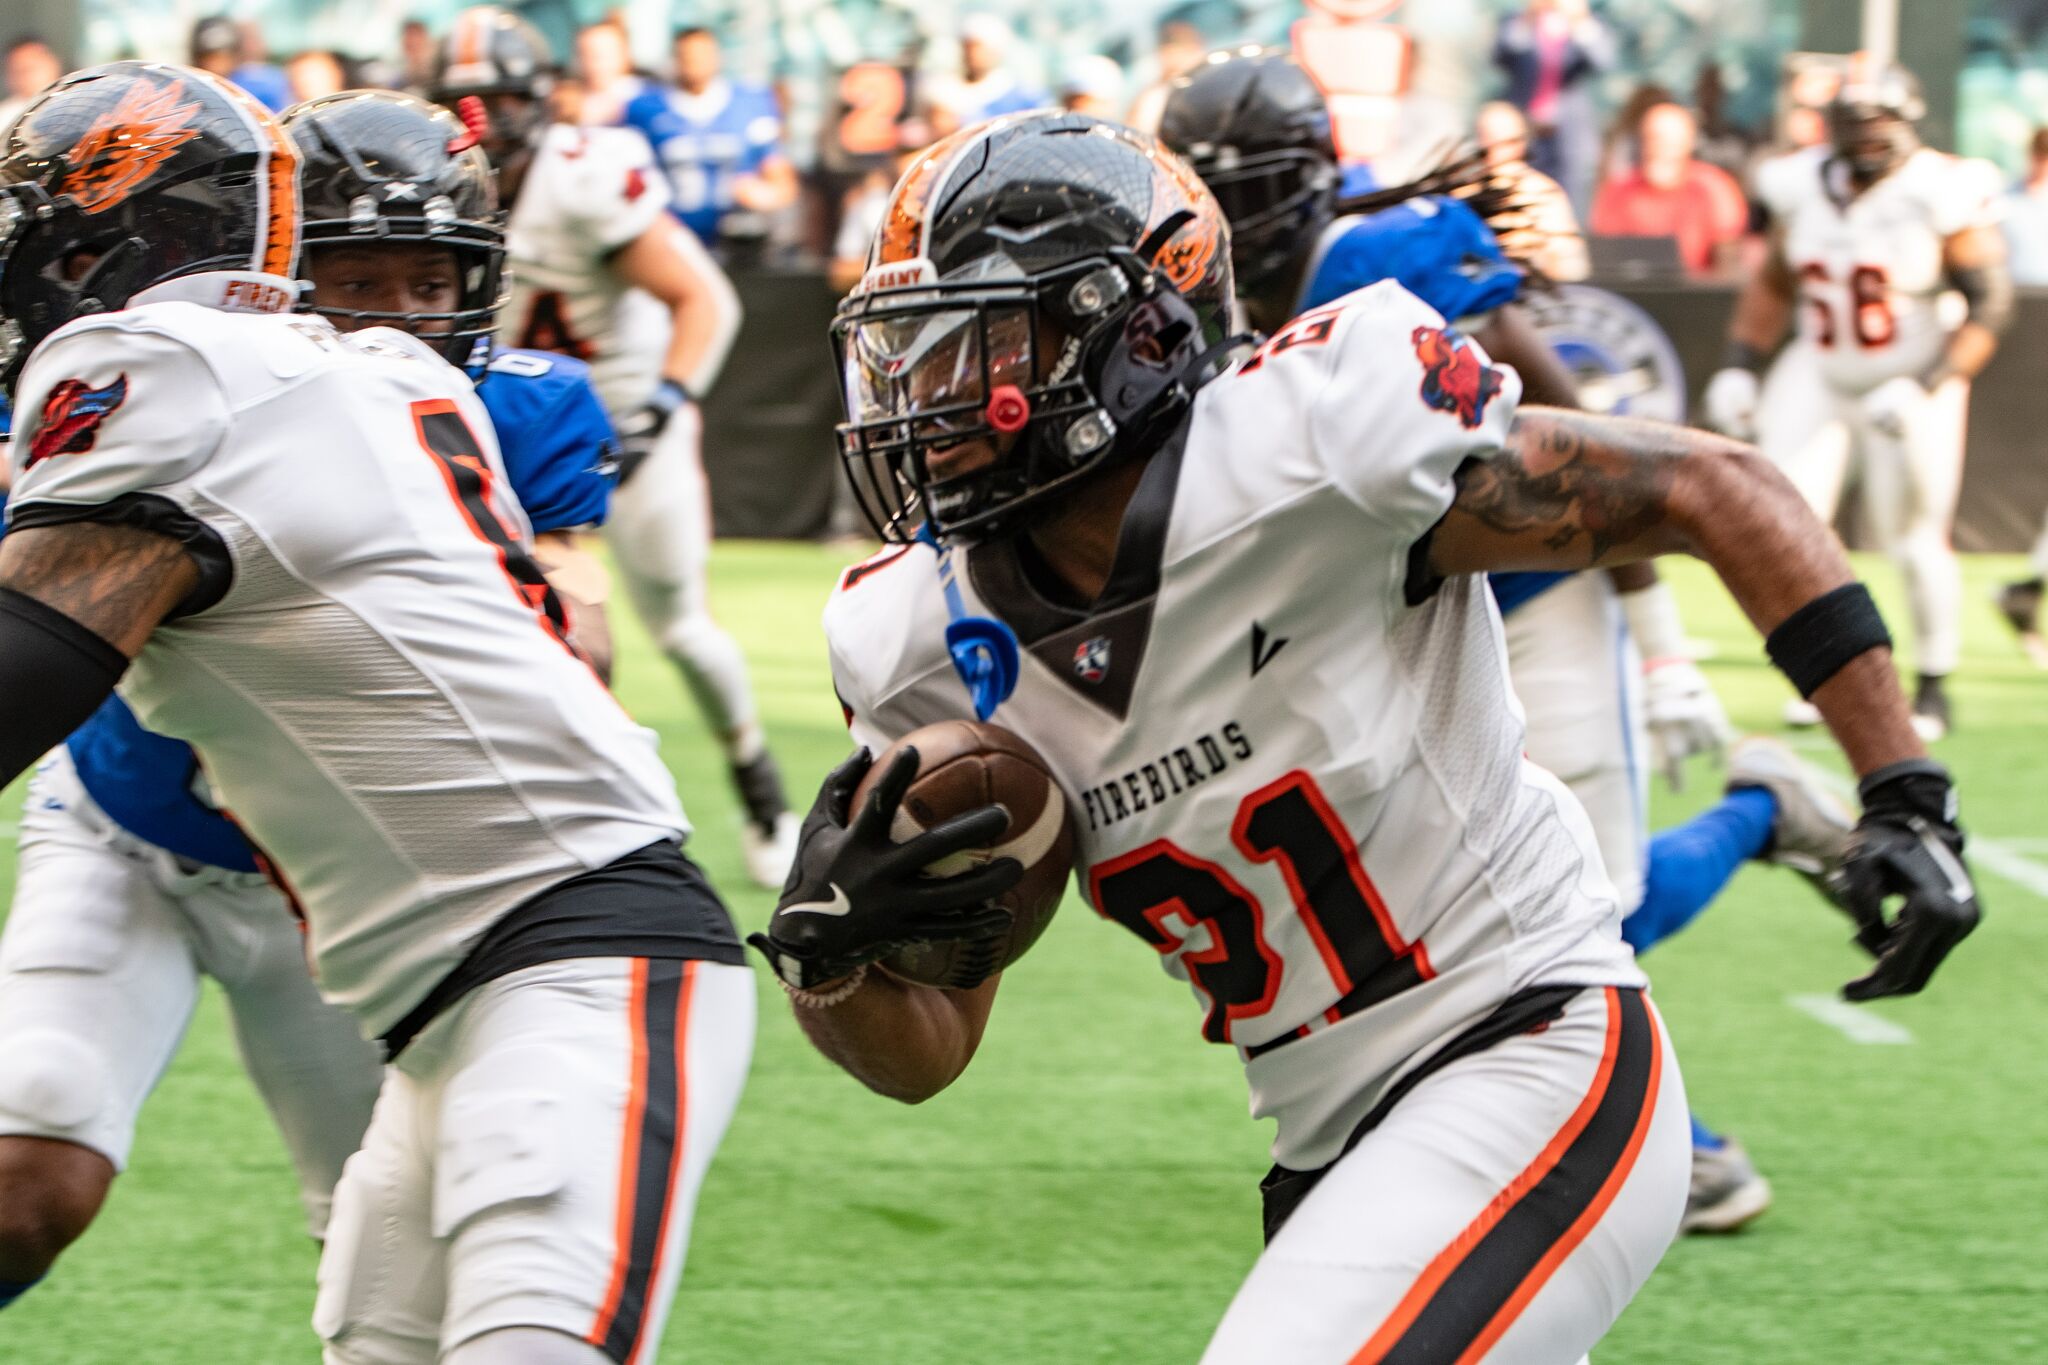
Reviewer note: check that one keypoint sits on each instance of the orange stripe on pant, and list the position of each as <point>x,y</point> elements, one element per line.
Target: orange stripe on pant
<point>1602,1103</point>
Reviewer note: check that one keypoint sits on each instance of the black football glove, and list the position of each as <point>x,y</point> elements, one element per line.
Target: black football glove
<point>1908,845</point>
<point>855,896</point>
<point>641,428</point>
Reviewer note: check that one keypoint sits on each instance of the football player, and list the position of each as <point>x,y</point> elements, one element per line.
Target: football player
<point>132,884</point>
<point>294,549</point>
<point>1259,658</point>
<point>601,271</point>
<point>1874,233</point>
<point>1257,129</point>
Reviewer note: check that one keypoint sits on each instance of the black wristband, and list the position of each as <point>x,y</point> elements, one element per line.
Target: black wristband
<point>1819,640</point>
<point>53,674</point>
<point>1913,786</point>
<point>1740,355</point>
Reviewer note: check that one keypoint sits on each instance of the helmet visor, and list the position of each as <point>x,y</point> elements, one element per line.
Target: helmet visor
<point>935,367</point>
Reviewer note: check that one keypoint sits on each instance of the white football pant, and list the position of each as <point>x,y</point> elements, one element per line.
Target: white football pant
<point>534,1162</point>
<point>1816,433</point>
<point>99,972</point>
<point>1505,1211</point>
<point>660,533</point>
<point>1576,671</point>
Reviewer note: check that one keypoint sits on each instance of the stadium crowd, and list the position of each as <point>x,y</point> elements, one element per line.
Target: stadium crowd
<point>1663,166</point>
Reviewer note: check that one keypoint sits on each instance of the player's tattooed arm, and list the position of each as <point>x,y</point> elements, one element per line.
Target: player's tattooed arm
<point>899,1039</point>
<point>119,582</point>
<point>1572,491</point>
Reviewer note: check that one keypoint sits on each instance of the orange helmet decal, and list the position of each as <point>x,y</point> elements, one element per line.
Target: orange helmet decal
<point>278,252</point>
<point>1188,254</point>
<point>901,237</point>
<point>128,142</point>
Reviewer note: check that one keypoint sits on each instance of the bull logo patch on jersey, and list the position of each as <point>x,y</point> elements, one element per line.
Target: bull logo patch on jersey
<point>71,417</point>
<point>1453,379</point>
<point>127,143</point>
<point>1091,659</point>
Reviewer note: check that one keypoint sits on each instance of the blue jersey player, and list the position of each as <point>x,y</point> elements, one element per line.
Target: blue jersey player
<point>131,883</point>
<point>1597,659</point>
<point>719,143</point>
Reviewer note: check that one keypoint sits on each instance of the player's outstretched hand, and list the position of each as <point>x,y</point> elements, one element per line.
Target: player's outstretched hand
<point>1683,716</point>
<point>854,895</point>
<point>1908,845</point>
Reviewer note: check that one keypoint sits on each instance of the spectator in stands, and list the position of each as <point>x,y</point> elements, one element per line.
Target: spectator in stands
<point>604,69</point>
<point>417,55</point>
<point>861,210</point>
<point>719,142</point>
<point>1181,48</point>
<point>1670,193</point>
<point>2026,217</point>
<point>1093,85</point>
<point>31,66</point>
<point>313,74</point>
<point>1550,52</point>
<point>987,86</point>
<point>234,52</point>
<point>1552,241</point>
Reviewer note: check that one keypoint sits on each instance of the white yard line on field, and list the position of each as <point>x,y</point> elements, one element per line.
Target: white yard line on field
<point>2002,857</point>
<point>1856,1024</point>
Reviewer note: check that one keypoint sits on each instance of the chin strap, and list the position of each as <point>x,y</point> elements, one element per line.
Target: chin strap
<point>984,650</point>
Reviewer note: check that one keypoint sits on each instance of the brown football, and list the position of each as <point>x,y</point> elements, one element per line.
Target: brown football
<point>963,765</point>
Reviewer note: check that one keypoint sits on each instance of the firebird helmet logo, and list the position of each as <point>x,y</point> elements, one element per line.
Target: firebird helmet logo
<point>71,418</point>
<point>1091,659</point>
<point>126,144</point>
<point>1453,380</point>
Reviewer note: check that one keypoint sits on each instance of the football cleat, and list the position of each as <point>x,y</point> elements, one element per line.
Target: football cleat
<point>2020,605</point>
<point>1801,714</point>
<point>1727,1193</point>
<point>1811,832</point>
<point>1932,719</point>
<point>768,834</point>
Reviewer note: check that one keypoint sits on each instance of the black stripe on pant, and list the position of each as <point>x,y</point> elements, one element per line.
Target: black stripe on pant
<point>660,1082</point>
<point>1493,1270</point>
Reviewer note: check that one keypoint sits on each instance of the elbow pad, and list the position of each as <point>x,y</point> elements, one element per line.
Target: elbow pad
<point>53,674</point>
<point>1987,289</point>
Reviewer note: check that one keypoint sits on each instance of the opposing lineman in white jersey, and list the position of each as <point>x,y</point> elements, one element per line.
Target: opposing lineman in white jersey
<point>294,549</point>
<point>1889,253</point>
<point>1258,655</point>
<point>603,272</point>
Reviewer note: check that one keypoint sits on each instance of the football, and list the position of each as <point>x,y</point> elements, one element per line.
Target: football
<point>963,765</point>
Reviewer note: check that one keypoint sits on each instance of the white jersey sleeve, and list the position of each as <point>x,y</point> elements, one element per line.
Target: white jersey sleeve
<point>1971,194</point>
<point>1784,182</point>
<point>615,190</point>
<point>1405,400</point>
<point>110,410</point>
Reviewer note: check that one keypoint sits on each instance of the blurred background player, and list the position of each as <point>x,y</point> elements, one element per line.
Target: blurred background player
<point>1254,125</point>
<point>603,272</point>
<point>132,885</point>
<point>1873,232</point>
<point>719,142</point>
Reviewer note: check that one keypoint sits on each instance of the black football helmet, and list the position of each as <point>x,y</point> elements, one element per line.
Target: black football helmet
<point>491,54</point>
<point>1872,118</point>
<point>1051,284</point>
<point>377,166</point>
<point>124,176</point>
<point>1257,130</point>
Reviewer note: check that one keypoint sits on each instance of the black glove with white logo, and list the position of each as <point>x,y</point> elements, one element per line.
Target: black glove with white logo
<point>855,896</point>
<point>1907,845</point>
<point>641,428</point>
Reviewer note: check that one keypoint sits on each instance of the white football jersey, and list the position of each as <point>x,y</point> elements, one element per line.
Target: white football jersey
<point>369,676</point>
<point>1870,273</point>
<point>589,192</point>
<point>1307,794</point>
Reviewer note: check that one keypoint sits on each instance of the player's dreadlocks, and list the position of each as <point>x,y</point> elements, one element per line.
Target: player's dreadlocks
<point>1462,172</point>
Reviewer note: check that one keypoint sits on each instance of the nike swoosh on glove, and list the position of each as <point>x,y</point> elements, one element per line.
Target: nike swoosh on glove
<point>854,895</point>
<point>1907,845</point>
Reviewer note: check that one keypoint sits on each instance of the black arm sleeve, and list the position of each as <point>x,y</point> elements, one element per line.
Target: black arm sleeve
<point>53,674</point>
<point>1987,289</point>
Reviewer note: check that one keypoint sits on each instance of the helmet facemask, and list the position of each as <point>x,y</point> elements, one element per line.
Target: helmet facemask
<point>1276,203</point>
<point>1042,374</point>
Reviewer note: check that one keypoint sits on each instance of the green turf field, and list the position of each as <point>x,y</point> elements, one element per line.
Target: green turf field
<point>1086,1192</point>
